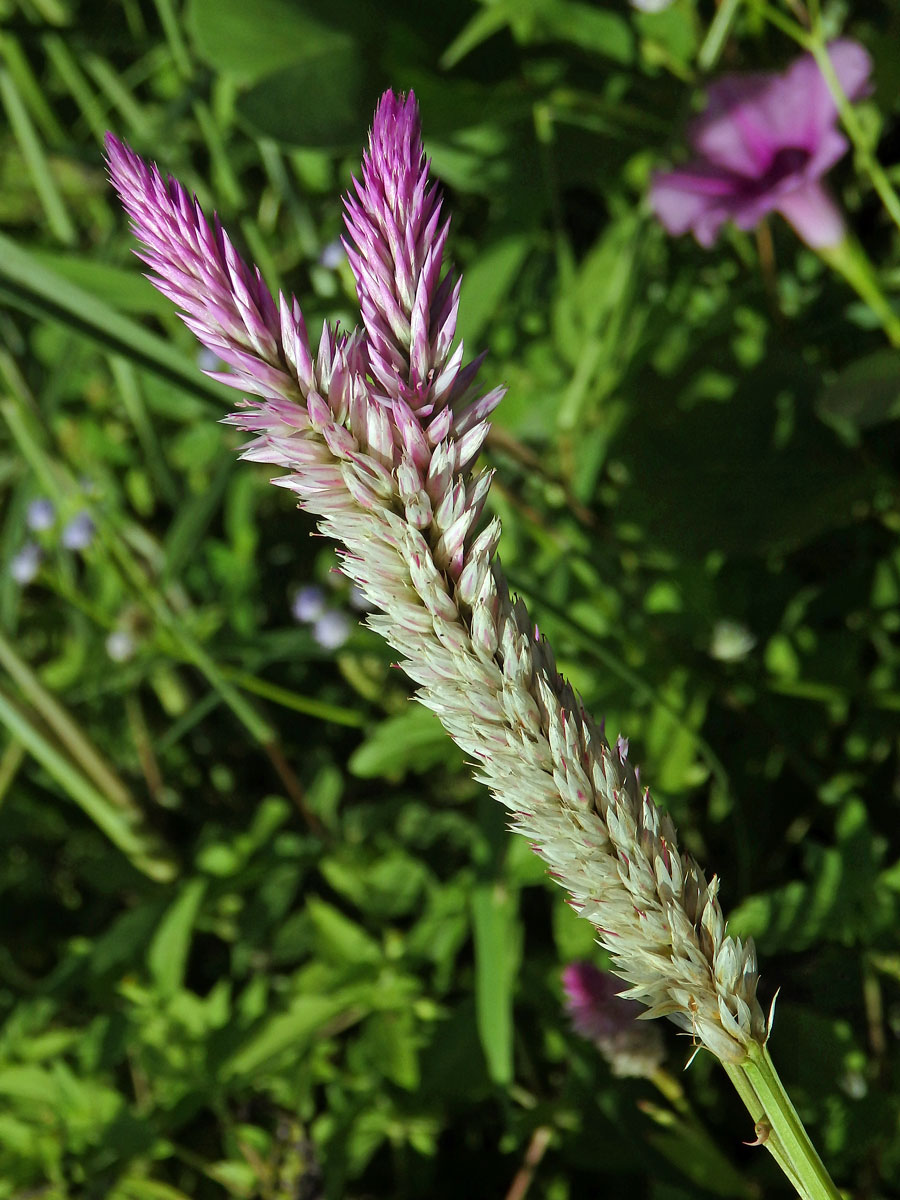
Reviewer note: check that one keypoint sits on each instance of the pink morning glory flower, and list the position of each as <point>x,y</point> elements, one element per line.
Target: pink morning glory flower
<point>763,145</point>
<point>600,1014</point>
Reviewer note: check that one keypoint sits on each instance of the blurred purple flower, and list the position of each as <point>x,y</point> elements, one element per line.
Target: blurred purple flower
<point>78,533</point>
<point>40,515</point>
<point>763,145</point>
<point>308,604</point>
<point>332,629</point>
<point>25,565</point>
<point>600,1014</point>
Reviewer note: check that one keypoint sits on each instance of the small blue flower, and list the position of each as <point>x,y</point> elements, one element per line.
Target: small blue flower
<point>40,515</point>
<point>308,604</point>
<point>357,599</point>
<point>78,533</point>
<point>120,645</point>
<point>25,565</point>
<point>332,255</point>
<point>332,629</point>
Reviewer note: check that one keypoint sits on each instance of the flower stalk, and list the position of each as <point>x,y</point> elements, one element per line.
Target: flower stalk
<point>850,261</point>
<point>781,1129</point>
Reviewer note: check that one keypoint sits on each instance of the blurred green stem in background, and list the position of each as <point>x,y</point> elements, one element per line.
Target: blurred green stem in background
<point>850,261</point>
<point>717,35</point>
<point>125,828</point>
<point>815,42</point>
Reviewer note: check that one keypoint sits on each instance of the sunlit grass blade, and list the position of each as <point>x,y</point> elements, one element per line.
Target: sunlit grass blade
<point>10,760</point>
<point>119,95</point>
<point>140,847</point>
<point>35,159</point>
<point>128,388</point>
<point>70,734</point>
<point>74,80</point>
<point>334,713</point>
<point>38,289</point>
<point>30,89</point>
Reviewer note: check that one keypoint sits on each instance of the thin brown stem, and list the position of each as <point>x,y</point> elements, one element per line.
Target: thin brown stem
<point>535,1152</point>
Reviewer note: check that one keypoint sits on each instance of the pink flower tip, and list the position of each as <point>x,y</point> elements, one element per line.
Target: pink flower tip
<point>394,162</point>
<point>762,145</point>
<point>120,157</point>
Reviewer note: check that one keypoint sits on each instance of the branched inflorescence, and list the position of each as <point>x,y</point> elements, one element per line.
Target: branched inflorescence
<point>379,430</point>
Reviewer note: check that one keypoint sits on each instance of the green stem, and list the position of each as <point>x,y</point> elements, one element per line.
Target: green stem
<point>756,1110</point>
<point>862,148</point>
<point>717,34</point>
<point>814,42</point>
<point>762,1091</point>
<point>850,260</point>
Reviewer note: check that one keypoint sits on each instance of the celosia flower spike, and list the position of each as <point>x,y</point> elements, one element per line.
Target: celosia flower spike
<point>399,496</point>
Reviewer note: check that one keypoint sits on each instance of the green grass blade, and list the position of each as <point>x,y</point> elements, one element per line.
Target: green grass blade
<point>495,924</point>
<point>141,849</point>
<point>43,290</point>
<point>36,161</point>
<point>30,89</point>
<point>56,717</point>
<point>73,79</point>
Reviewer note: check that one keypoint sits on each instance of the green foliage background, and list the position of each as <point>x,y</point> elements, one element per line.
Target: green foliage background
<point>261,934</point>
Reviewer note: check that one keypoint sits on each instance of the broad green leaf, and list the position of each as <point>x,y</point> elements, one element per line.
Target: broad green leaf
<point>390,1039</point>
<point>331,70</point>
<point>341,940</point>
<point>414,741</point>
<point>251,41</point>
<point>289,1031</point>
<point>28,1083</point>
<point>865,394</point>
<point>167,956</point>
<point>388,887</point>
<point>497,934</point>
